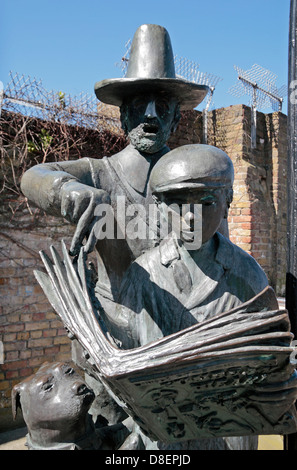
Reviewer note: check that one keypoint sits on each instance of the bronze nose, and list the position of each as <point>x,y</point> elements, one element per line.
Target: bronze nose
<point>79,388</point>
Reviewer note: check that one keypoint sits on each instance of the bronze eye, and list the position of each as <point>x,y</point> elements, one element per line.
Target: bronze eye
<point>138,104</point>
<point>48,385</point>
<point>208,200</point>
<point>208,203</point>
<point>162,107</point>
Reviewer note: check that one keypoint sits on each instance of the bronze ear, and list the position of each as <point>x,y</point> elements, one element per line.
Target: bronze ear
<point>16,399</point>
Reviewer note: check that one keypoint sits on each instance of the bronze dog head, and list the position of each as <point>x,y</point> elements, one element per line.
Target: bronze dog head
<point>55,403</point>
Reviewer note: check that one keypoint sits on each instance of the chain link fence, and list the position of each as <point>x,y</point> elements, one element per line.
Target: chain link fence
<point>27,96</point>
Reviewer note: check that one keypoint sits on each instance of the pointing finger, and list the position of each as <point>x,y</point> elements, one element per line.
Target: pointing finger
<point>82,228</point>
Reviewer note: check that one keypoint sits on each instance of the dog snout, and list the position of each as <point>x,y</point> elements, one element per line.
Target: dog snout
<point>79,388</point>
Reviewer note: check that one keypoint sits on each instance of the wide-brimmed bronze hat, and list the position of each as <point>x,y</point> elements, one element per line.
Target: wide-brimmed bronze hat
<point>151,68</point>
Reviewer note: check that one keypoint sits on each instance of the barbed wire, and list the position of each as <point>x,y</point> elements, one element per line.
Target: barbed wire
<point>260,84</point>
<point>39,126</point>
<point>27,95</point>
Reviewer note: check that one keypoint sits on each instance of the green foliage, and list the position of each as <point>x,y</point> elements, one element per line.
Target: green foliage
<point>61,97</point>
<point>31,147</point>
<point>44,140</point>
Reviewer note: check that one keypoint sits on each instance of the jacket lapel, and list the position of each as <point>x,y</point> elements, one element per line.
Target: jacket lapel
<point>201,283</point>
<point>206,287</point>
<point>212,273</point>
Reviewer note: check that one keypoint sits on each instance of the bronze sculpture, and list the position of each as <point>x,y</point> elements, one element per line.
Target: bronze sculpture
<point>174,298</point>
<point>181,378</point>
<point>178,286</point>
<point>150,98</point>
<point>170,288</point>
<point>55,402</point>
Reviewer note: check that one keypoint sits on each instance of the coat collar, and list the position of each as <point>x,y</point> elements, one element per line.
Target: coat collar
<point>225,251</point>
<point>170,250</point>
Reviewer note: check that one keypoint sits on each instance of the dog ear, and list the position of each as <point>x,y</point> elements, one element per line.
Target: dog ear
<point>16,399</point>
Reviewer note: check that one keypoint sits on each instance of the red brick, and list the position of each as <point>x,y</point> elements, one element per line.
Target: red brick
<point>39,342</point>
<point>49,333</point>
<point>61,340</point>
<point>14,365</point>
<point>37,361</point>
<point>62,332</point>
<point>12,374</point>
<point>37,325</point>
<point>51,351</point>
<point>38,316</point>
<point>246,226</point>
<point>25,354</point>
<point>11,356</point>
<point>14,327</point>
<point>26,372</point>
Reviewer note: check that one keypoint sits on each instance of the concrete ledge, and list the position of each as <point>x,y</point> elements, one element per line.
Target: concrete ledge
<point>13,440</point>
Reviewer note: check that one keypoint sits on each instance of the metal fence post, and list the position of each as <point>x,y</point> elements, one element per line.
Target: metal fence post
<point>291,281</point>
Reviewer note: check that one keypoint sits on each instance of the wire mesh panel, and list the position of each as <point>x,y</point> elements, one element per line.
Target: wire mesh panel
<point>28,96</point>
<point>260,84</point>
<point>125,59</point>
<point>189,70</point>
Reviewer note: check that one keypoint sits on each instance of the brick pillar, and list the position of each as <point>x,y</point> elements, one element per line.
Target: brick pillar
<point>257,217</point>
<point>227,131</point>
<point>277,129</point>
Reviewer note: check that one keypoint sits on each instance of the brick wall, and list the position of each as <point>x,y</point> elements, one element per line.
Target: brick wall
<point>257,218</point>
<point>30,330</point>
<point>189,131</point>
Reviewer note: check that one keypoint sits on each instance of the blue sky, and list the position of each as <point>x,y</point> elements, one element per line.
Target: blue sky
<point>71,44</point>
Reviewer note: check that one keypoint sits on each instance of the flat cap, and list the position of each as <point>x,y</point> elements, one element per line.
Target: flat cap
<point>192,166</point>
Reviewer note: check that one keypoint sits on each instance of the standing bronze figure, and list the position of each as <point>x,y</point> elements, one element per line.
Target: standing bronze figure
<point>165,329</point>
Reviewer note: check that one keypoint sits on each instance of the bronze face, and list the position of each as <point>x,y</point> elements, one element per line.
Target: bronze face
<point>213,204</point>
<point>148,120</point>
<point>54,402</point>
